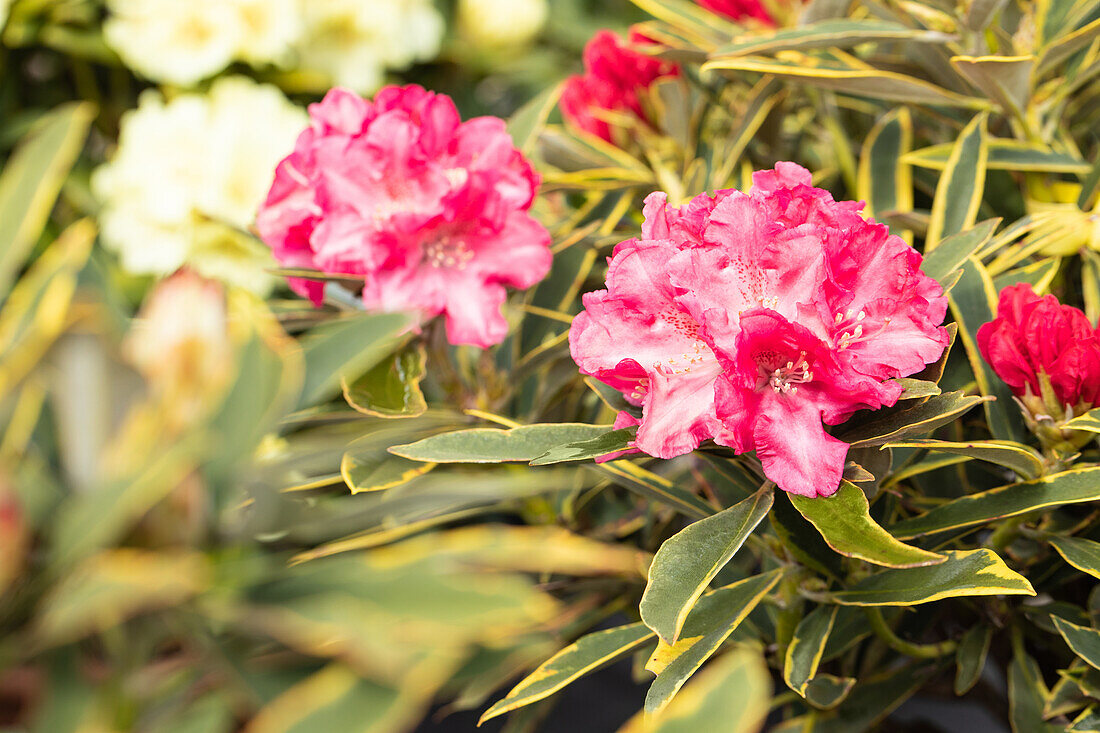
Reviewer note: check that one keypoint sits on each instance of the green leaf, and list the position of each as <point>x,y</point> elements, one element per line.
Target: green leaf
<point>800,539</point>
<point>1067,45</point>
<point>884,181</point>
<point>912,422</point>
<point>807,647</point>
<point>826,691</point>
<point>858,80</point>
<point>731,695</point>
<point>690,559</point>
<point>966,573</point>
<point>527,122</point>
<point>658,488</point>
<point>32,179</point>
<point>586,450</point>
<point>945,260</point>
<point>960,188</point>
<point>835,33</point>
<point>585,655</point>
<point>372,468</point>
<point>1087,722</point>
<point>1005,79</point>
<point>344,349</point>
<point>1084,642</point>
<point>1068,487</point>
<point>871,701</point>
<point>711,621</point>
<point>1026,697</point>
<point>1038,274</point>
<point>844,521</point>
<point>1019,458</point>
<point>1090,421</point>
<point>972,302</point>
<point>1005,154</point>
<point>1080,553</point>
<point>108,588</point>
<point>392,387</point>
<point>494,445</point>
<point>970,657</point>
<point>914,389</point>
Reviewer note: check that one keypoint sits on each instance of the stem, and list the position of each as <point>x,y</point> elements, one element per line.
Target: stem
<point>1005,533</point>
<point>920,651</point>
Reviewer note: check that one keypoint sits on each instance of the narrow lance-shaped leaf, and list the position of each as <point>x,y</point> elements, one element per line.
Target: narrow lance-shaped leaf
<point>1005,154</point>
<point>1079,552</point>
<point>587,654</point>
<point>494,445</point>
<point>1084,642</point>
<point>807,647</point>
<point>959,191</point>
<point>32,179</point>
<point>346,348</point>
<point>942,262</point>
<point>834,33</point>
<point>965,573</point>
<point>913,422</point>
<point>658,488</point>
<point>844,521</point>
<point>885,182</point>
<point>972,301</point>
<point>711,621</point>
<point>587,450</point>
<point>1068,487</point>
<point>1090,421</point>
<point>970,657</point>
<point>1019,458</point>
<point>730,695</point>
<point>689,560</point>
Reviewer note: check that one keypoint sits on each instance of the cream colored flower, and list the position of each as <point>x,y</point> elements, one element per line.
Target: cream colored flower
<point>175,41</point>
<point>188,176</point>
<point>180,343</point>
<point>270,28</point>
<point>502,22</point>
<point>353,42</point>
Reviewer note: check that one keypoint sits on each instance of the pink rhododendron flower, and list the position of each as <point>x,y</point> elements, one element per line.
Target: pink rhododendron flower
<point>431,211</point>
<point>1033,337</point>
<point>739,9</point>
<point>756,319</point>
<point>615,76</point>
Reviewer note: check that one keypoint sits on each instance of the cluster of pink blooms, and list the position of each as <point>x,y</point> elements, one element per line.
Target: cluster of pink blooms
<point>431,211</point>
<point>1035,339</point>
<point>615,80</point>
<point>751,319</point>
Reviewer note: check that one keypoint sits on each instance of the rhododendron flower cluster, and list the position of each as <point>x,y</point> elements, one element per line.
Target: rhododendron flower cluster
<point>614,80</point>
<point>430,211</point>
<point>1039,346</point>
<point>751,319</point>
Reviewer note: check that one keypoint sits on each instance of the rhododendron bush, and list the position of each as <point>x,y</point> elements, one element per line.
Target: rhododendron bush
<point>631,366</point>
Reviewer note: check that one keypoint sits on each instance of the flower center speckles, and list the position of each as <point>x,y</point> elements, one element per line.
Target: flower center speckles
<point>784,379</point>
<point>448,253</point>
<point>456,176</point>
<point>640,389</point>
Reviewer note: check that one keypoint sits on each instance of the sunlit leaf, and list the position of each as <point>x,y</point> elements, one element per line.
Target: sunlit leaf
<point>586,450</point>
<point>493,445</point>
<point>1015,456</point>
<point>807,646</point>
<point>689,560</point>
<point>965,573</point>
<point>845,522</point>
<point>392,388</point>
<point>961,185</point>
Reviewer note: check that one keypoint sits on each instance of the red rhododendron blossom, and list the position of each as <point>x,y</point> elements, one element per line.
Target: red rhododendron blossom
<point>752,319</point>
<point>1033,336</point>
<point>431,211</point>
<point>615,76</point>
<point>739,9</point>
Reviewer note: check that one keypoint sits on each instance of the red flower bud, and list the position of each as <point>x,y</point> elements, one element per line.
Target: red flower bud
<point>1033,336</point>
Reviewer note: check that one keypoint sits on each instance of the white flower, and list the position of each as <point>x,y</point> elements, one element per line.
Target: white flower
<point>353,42</point>
<point>270,28</point>
<point>502,22</point>
<point>185,41</point>
<point>175,41</point>
<point>188,176</point>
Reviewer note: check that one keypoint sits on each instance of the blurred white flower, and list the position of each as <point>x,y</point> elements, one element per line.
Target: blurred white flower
<point>502,22</point>
<point>185,41</point>
<point>353,42</point>
<point>188,176</point>
<point>175,41</point>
